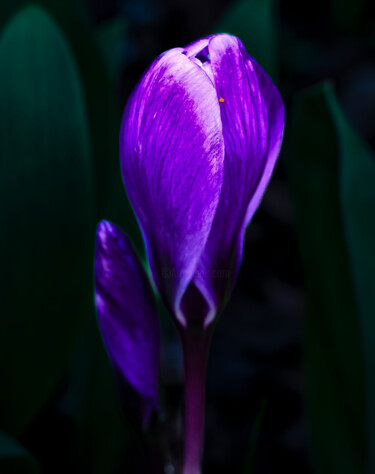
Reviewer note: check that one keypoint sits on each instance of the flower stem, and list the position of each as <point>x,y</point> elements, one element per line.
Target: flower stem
<point>195,344</point>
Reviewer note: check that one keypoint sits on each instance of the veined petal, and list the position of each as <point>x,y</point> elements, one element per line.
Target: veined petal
<point>252,114</point>
<point>172,157</point>
<point>128,318</point>
<point>194,48</point>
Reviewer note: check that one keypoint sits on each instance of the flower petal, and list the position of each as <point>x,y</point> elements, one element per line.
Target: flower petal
<point>172,157</point>
<point>252,114</point>
<point>193,49</point>
<point>128,318</point>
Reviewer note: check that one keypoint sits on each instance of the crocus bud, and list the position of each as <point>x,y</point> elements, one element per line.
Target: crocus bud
<point>128,321</point>
<point>199,140</point>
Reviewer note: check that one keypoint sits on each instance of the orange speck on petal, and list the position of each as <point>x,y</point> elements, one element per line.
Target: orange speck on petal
<point>221,99</point>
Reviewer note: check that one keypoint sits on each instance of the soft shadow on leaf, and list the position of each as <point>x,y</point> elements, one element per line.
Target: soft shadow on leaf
<point>47,213</point>
<point>357,184</point>
<point>14,458</point>
<point>104,115</point>
<point>333,347</point>
<point>111,38</point>
<point>250,462</point>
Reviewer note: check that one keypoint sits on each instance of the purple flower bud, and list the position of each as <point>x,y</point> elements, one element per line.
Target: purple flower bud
<point>199,140</point>
<point>128,320</point>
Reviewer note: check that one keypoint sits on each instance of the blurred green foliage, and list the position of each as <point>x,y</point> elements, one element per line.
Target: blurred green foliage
<point>334,371</point>
<point>332,173</point>
<point>14,459</point>
<point>73,17</point>
<point>56,143</point>
<point>357,197</point>
<point>250,462</point>
<point>47,212</point>
<point>110,36</point>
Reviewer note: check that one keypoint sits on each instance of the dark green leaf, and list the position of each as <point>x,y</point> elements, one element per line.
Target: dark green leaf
<point>111,37</point>
<point>92,398</point>
<point>358,209</point>
<point>47,213</point>
<point>333,350</point>
<point>252,448</point>
<point>14,459</point>
<point>103,113</point>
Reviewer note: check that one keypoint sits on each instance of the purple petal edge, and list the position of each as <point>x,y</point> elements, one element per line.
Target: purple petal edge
<point>172,154</point>
<point>252,114</point>
<point>128,319</point>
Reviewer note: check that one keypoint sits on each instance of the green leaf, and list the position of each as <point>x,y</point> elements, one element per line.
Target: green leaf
<point>104,114</point>
<point>47,213</point>
<point>255,22</point>
<point>333,346</point>
<point>14,458</point>
<point>251,454</point>
<point>357,185</point>
<point>111,36</point>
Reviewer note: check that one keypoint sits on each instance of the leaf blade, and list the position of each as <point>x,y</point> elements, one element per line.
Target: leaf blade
<point>47,208</point>
<point>357,186</point>
<point>334,372</point>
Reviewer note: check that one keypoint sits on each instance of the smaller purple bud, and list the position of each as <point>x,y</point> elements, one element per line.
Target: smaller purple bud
<point>128,320</point>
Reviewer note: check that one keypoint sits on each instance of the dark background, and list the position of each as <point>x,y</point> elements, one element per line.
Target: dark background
<point>290,381</point>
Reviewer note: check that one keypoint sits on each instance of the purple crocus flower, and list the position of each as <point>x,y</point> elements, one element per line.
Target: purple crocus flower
<point>199,140</point>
